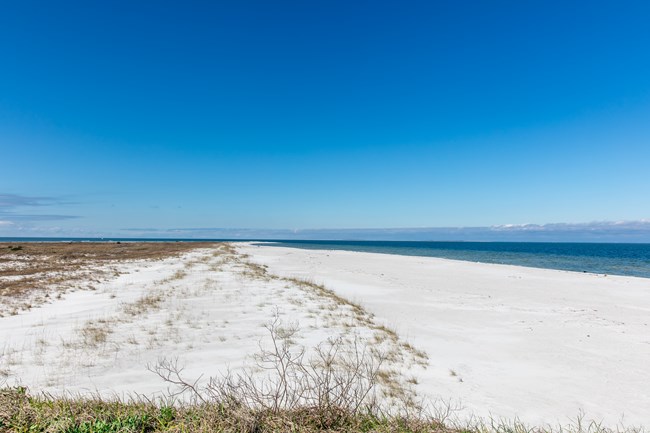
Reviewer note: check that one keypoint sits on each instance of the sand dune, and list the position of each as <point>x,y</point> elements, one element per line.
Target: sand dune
<point>206,310</point>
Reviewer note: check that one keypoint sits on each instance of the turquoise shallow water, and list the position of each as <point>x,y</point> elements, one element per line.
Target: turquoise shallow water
<point>614,259</point>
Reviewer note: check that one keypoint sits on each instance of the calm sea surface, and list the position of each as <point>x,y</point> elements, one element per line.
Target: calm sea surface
<point>609,258</point>
<point>614,259</point>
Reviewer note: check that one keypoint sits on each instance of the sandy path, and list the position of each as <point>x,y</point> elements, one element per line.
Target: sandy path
<point>541,345</point>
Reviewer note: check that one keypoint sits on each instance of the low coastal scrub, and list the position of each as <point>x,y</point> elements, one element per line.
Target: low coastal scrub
<point>21,412</point>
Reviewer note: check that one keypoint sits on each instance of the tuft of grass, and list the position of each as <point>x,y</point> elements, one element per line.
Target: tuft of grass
<point>95,333</point>
<point>255,270</point>
<point>412,380</point>
<point>147,302</point>
<point>179,275</point>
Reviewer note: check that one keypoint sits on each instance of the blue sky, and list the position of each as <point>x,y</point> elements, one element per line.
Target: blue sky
<point>164,116</point>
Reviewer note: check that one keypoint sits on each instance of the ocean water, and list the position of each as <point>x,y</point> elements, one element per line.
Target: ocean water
<point>606,258</point>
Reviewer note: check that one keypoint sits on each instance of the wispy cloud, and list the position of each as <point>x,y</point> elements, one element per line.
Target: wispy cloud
<point>36,217</point>
<point>600,231</point>
<point>15,200</point>
<point>590,227</point>
<point>11,203</point>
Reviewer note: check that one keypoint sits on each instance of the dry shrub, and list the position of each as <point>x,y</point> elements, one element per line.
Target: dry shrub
<point>336,381</point>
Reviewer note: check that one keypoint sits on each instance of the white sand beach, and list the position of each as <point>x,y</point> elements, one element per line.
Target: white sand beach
<point>502,341</point>
<point>543,345</point>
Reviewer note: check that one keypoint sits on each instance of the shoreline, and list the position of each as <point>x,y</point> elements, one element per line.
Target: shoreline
<point>514,258</point>
<point>599,264</point>
<point>457,261</point>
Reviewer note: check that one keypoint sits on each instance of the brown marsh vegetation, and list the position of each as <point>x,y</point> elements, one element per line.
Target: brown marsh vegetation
<point>31,272</point>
